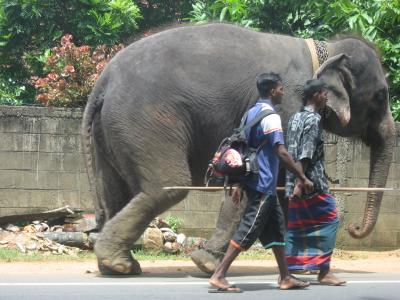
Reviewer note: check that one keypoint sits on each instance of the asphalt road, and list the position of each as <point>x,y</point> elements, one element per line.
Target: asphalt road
<point>190,286</point>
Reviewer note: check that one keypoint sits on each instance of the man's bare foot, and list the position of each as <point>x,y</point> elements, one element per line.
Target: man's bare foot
<point>326,277</point>
<point>223,285</point>
<point>291,282</point>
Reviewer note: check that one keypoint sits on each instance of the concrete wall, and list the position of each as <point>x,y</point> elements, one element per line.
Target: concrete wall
<point>40,160</point>
<point>41,168</point>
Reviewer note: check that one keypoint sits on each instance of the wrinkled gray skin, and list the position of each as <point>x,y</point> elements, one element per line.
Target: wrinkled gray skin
<point>162,105</point>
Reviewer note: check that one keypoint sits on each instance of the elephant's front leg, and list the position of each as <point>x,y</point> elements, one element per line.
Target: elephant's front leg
<point>229,217</point>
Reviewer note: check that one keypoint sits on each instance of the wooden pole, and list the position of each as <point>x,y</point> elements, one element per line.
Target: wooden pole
<point>333,189</point>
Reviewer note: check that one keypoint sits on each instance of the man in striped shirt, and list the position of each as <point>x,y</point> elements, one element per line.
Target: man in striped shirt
<point>312,217</point>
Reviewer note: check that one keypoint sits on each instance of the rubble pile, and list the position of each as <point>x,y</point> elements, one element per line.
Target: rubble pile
<point>46,234</point>
<point>159,236</point>
<point>30,239</point>
<point>64,231</point>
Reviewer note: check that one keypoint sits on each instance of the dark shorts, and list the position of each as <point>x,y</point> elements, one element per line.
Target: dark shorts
<point>262,219</point>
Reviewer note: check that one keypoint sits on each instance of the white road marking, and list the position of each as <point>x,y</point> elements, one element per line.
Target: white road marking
<point>164,283</point>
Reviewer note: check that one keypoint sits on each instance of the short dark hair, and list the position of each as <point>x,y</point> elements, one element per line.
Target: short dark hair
<point>311,87</point>
<point>266,82</point>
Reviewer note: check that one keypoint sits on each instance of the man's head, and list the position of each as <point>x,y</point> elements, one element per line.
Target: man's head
<point>270,86</point>
<point>316,93</point>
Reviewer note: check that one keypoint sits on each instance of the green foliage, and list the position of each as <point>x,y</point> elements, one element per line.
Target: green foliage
<point>37,24</point>
<point>28,28</point>
<point>267,15</point>
<point>396,108</point>
<point>72,72</point>
<point>10,92</point>
<point>174,222</point>
<point>159,12</point>
<point>238,11</point>
<point>241,12</point>
<point>201,13</point>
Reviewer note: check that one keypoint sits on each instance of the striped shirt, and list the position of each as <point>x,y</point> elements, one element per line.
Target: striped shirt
<point>304,141</point>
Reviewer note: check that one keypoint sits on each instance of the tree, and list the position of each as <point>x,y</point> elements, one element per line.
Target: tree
<point>29,28</point>
<point>160,12</point>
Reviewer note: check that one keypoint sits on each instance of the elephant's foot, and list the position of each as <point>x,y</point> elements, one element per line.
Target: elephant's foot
<point>119,266</point>
<point>205,261</point>
<point>115,262</point>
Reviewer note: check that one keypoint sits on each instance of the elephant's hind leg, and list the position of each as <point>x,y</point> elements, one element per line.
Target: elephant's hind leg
<point>113,248</point>
<point>208,258</point>
<point>112,191</point>
<point>147,163</point>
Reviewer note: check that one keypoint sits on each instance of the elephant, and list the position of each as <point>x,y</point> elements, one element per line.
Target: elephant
<point>162,105</point>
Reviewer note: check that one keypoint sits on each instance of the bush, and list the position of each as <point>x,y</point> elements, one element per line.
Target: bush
<point>157,13</point>
<point>174,222</point>
<point>10,92</point>
<point>242,12</point>
<point>29,27</point>
<point>72,72</point>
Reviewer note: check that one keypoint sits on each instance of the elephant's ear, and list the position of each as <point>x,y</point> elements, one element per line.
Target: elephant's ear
<point>335,73</point>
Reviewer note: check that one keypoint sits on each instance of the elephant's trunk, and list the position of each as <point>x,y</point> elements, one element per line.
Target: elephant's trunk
<point>382,143</point>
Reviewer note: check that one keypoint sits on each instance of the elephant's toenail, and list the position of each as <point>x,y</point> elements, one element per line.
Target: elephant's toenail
<point>121,269</point>
<point>106,262</point>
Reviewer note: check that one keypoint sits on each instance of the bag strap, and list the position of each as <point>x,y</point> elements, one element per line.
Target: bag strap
<point>259,116</point>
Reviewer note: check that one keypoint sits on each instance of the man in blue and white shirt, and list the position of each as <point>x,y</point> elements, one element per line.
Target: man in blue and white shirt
<point>263,217</point>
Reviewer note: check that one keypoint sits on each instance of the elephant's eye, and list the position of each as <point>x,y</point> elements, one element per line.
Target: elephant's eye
<point>381,96</point>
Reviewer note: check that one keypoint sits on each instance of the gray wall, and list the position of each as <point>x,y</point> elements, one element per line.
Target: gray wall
<point>40,162</point>
<point>41,168</point>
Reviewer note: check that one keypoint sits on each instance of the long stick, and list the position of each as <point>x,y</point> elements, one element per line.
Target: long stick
<point>333,189</point>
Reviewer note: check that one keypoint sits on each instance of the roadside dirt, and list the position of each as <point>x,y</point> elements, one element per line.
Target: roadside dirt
<point>343,261</point>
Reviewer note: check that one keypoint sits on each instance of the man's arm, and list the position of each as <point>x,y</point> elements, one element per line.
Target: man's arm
<point>306,148</point>
<point>290,165</point>
<point>303,164</point>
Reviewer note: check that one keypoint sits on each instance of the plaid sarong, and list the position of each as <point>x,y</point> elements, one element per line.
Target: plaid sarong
<point>311,232</point>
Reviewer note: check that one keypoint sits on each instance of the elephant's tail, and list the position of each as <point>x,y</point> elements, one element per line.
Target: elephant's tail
<point>93,106</point>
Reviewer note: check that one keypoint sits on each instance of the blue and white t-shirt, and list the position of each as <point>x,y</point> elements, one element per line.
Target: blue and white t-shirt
<point>268,131</point>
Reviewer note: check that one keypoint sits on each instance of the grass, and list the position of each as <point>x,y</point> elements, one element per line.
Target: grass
<point>13,255</point>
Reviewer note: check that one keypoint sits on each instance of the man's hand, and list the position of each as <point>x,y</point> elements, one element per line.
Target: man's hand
<point>296,168</point>
<point>308,186</point>
<point>297,191</point>
<point>237,196</point>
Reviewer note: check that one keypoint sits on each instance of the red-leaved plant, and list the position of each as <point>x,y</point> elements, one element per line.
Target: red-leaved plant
<point>73,70</point>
